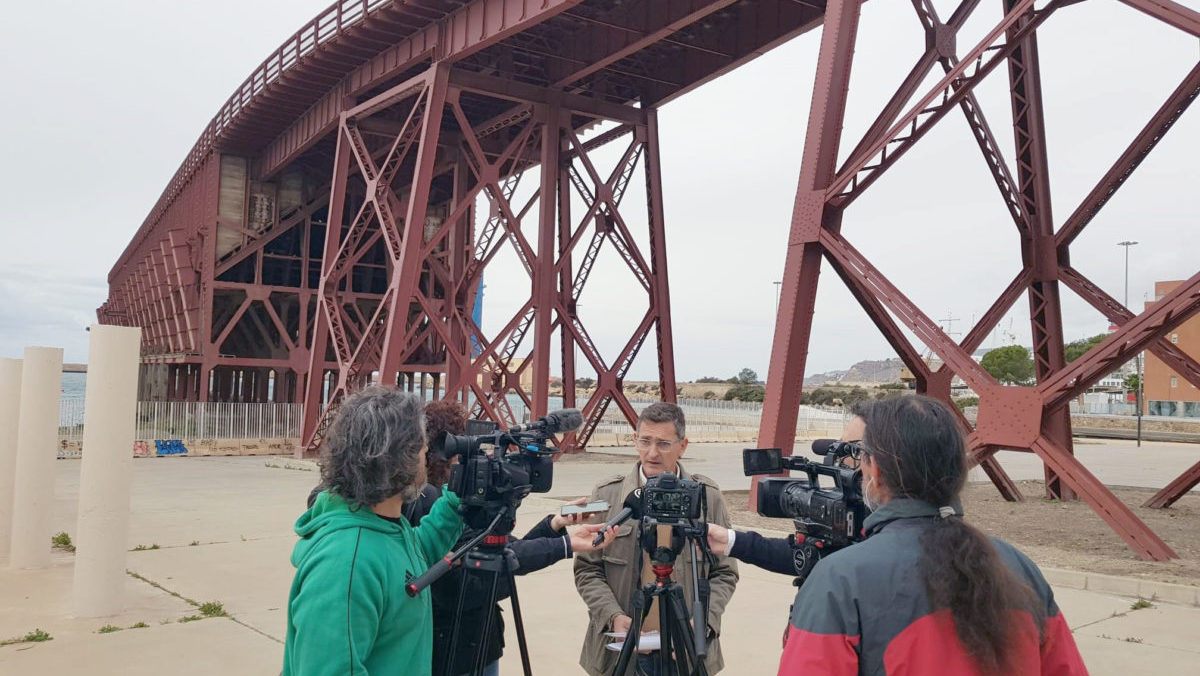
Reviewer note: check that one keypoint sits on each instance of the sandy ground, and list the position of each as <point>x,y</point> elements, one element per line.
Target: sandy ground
<point>1062,534</point>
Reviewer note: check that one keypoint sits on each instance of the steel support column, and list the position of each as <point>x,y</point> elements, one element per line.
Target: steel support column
<point>811,213</point>
<point>1038,250</point>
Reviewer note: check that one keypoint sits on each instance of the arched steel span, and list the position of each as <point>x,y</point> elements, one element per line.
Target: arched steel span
<point>324,223</point>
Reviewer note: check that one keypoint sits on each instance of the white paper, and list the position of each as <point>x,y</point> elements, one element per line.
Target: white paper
<point>650,640</point>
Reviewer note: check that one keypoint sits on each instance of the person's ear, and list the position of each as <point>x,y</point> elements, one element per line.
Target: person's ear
<point>683,446</point>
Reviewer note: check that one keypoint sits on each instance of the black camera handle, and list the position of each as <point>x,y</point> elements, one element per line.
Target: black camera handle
<point>444,565</point>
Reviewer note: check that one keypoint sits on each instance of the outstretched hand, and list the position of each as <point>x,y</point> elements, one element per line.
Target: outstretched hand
<point>582,536</point>
<point>718,538</point>
<point>559,522</point>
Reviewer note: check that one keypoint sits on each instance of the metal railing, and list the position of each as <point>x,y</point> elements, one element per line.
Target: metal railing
<point>196,420</point>
<point>708,420</point>
<point>327,26</point>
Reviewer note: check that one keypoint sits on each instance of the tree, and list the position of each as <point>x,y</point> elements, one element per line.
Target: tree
<point>1131,382</point>
<point>1011,365</point>
<point>745,392</point>
<point>854,396</point>
<point>823,396</point>
<point>1076,348</point>
<point>747,377</point>
<point>585,383</point>
<point>710,379</point>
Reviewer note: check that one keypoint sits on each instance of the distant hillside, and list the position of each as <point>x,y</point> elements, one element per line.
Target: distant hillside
<point>867,372</point>
<point>818,379</point>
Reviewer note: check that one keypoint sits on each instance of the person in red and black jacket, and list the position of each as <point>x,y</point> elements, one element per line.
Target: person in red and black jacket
<point>925,593</point>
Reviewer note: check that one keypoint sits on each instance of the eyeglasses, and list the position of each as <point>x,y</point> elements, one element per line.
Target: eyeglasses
<point>660,445</point>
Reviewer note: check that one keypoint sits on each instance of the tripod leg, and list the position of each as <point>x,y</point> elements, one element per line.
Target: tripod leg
<point>520,623</point>
<point>686,635</point>
<point>488,628</point>
<point>448,664</point>
<point>640,601</point>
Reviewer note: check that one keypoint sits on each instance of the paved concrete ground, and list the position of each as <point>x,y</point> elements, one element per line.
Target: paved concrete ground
<point>223,530</point>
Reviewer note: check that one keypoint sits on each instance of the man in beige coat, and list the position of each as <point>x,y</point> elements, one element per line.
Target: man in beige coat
<point>607,579</point>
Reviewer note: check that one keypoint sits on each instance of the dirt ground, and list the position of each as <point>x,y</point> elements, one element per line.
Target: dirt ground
<point>1062,534</point>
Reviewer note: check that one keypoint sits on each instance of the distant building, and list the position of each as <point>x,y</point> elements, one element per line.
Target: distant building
<point>1167,392</point>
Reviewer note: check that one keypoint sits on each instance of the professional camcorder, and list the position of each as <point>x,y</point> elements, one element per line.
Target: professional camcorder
<point>520,463</point>
<point>827,518</point>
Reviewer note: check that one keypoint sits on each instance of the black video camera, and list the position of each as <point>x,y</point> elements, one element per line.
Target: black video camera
<point>669,499</point>
<point>829,516</point>
<point>520,463</point>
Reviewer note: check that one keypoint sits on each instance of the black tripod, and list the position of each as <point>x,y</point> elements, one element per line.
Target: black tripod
<point>486,555</point>
<point>684,645</point>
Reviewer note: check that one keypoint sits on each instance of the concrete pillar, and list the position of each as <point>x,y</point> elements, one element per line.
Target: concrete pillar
<point>110,412</point>
<point>37,449</point>
<point>10,412</point>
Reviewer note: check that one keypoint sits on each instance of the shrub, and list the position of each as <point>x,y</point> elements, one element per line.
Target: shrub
<point>745,393</point>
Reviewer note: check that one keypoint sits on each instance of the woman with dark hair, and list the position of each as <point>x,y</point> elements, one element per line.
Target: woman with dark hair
<point>347,609</point>
<point>925,593</point>
<point>545,544</point>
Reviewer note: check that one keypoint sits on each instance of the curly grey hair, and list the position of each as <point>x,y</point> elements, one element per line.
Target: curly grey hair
<point>373,448</point>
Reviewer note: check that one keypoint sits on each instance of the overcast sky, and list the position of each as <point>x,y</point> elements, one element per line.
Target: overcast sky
<point>105,99</point>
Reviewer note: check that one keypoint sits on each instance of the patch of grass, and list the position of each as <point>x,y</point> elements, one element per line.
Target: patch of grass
<point>108,629</point>
<point>194,543</point>
<point>213,609</point>
<point>190,618</point>
<point>35,636</point>
<point>1141,603</point>
<point>143,548</point>
<point>1131,639</point>
<point>62,541</point>
<point>139,625</point>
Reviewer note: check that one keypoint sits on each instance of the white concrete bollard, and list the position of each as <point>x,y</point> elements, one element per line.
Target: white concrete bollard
<point>37,449</point>
<point>10,412</point>
<point>110,415</point>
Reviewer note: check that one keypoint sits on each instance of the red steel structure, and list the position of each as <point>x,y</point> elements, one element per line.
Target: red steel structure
<point>326,221</point>
<point>1031,419</point>
<point>333,223</point>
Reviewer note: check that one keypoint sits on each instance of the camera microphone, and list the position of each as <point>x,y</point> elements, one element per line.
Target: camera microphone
<point>554,422</point>
<point>631,508</point>
<point>821,446</point>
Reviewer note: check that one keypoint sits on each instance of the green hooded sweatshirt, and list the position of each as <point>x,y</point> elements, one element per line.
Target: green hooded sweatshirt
<point>348,612</point>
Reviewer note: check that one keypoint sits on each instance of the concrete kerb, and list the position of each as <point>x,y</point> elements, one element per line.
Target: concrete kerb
<point>1116,585</point>
<point>1123,586</point>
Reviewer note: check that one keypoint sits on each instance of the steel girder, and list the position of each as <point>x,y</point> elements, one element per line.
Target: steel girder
<point>1019,418</point>
<point>436,270</point>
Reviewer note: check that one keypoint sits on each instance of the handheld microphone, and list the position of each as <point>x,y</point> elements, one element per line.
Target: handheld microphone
<point>631,508</point>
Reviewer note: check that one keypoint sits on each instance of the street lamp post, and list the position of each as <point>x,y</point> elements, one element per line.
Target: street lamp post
<point>1138,398</point>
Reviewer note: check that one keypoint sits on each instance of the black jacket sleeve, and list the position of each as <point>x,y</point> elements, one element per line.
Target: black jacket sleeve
<point>773,554</point>
<point>543,529</point>
<point>541,547</point>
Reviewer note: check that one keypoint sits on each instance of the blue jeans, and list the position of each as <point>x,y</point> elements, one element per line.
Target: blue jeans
<point>492,669</point>
<point>649,663</point>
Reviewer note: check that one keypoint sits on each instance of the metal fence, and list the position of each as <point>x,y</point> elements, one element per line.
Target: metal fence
<point>196,420</point>
<point>1103,408</point>
<point>708,420</point>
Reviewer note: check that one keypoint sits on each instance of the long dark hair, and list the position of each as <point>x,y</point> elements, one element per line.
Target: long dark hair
<point>921,454</point>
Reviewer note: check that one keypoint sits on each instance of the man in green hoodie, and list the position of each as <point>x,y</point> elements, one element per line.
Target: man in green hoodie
<point>347,609</point>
